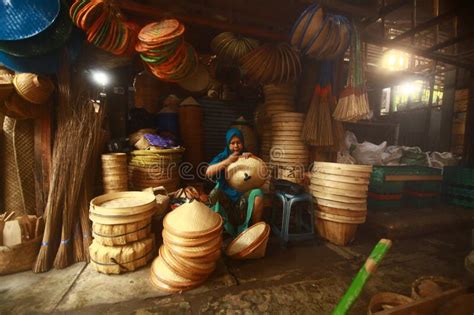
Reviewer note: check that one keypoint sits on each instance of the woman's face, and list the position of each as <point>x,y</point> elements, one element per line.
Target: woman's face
<point>235,145</point>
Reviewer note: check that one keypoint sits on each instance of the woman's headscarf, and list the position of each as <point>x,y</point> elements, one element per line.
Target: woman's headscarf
<point>233,194</point>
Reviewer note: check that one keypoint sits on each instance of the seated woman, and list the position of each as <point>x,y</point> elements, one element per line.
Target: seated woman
<point>236,208</point>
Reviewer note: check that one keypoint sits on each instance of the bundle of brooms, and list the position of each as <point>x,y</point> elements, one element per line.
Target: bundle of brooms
<point>76,149</point>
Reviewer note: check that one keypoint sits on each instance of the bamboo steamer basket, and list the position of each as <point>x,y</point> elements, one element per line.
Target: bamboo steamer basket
<point>339,192</point>
<point>342,205</point>
<point>344,167</point>
<point>162,271</point>
<point>336,232</point>
<point>338,185</point>
<point>195,251</point>
<point>33,88</point>
<point>20,257</point>
<point>121,234</point>
<point>193,220</point>
<point>248,241</point>
<point>246,174</point>
<point>123,203</point>
<point>337,198</point>
<point>182,271</point>
<point>341,179</point>
<point>341,212</point>
<point>119,259</point>
<point>382,301</point>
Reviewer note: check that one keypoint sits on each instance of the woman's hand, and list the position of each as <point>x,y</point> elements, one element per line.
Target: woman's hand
<point>246,155</point>
<point>233,157</point>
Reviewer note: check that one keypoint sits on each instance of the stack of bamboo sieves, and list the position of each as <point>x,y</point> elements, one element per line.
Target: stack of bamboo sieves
<point>191,247</point>
<point>153,168</point>
<point>289,155</point>
<point>121,230</point>
<point>114,172</point>
<point>340,193</point>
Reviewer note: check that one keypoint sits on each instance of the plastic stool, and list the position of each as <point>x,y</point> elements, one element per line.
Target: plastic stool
<point>288,200</point>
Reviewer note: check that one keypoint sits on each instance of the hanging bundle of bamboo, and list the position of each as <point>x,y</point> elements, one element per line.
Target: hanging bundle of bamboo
<point>353,102</point>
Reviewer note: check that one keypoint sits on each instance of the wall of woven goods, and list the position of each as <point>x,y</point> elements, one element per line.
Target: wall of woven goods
<point>218,116</point>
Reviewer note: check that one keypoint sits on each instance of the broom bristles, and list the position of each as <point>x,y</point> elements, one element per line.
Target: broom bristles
<point>42,261</point>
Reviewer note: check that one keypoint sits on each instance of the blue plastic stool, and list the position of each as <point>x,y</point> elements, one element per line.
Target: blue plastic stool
<point>288,201</point>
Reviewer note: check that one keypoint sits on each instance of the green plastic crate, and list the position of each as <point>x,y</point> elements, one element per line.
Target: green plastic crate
<point>457,175</point>
<point>374,204</point>
<point>418,202</point>
<point>424,186</point>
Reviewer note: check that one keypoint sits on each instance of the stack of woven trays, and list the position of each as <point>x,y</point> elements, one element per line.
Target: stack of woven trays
<point>114,172</point>
<point>121,225</point>
<point>278,98</point>
<point>250,244</point>
<point>191,247</point>
<point>153,168</point>
<point>289,154</point>
<point>340,195</point>
<point>162,47</point>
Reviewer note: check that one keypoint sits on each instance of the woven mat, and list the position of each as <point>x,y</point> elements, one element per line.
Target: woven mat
<point>18,163</point>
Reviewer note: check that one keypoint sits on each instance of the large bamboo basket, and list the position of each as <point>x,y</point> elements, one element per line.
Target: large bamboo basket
<point>19,257</point>
<point>121,234</point>
<point>119,259</point>
<point>336,232</point>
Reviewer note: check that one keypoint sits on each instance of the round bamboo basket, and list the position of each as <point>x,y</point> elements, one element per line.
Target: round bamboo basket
<point>341,218</point>
<point>386,300</point>
<point>123,203</point>
<point>337,198</point>
<point>335,232</point>
<point>341,179</point>
<point>248,241</point>
<point>342,205</point>
<point>339,185</point>
<point>337,191</point>
<point>342,212</point>
<point>344,167</point>
<point>120,219</point>
<point>119,259</point>
<point>121,234</point>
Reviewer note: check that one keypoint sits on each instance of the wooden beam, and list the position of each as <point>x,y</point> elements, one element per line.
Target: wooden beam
<point>417,51</point>
<point>452,41</point>
<point>425,25</point>
<point>383,12</point>
<point>153,12</point>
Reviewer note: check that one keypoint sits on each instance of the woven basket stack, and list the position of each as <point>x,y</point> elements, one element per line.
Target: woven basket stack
<point>278,98</point>
<point>191,247</point>
<point>250,244</point>
<point>289,154</point>
<point>114,172</point>
<point>153,168</point>
<point>340,195</point>
<point>121,230</point>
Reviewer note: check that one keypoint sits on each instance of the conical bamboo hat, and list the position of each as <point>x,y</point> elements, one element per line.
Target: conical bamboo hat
<point>247,239</point>
<point>193,219</point>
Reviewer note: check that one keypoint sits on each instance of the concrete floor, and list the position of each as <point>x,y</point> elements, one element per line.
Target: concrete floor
<point>308,277</point>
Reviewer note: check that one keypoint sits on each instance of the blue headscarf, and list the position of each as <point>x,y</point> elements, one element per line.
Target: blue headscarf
<point>233,194</point>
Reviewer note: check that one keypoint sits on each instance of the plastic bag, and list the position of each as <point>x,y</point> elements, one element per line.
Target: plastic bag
<point>350,140</point>
<point>369,153</point>
<point>392,155</point>
<point>438,159</point>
